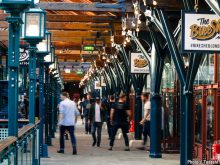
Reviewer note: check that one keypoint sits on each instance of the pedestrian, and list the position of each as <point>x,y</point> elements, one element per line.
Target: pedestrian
<point>120,117</point>
<point>146,119</point>
<point>86,107</point>
<point>110,106</point>
<point>80,107</point>
<point>96,118</point>
<point>67,119</point>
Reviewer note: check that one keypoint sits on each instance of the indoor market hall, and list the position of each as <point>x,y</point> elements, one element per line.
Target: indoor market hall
<point>109,82</point>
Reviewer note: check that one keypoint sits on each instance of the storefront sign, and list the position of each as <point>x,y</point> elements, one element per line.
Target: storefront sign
<point>24,57</point>
<point>200,32</point>
<point>138,63</point>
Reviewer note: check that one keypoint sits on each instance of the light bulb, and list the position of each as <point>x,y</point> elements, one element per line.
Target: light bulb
<point>136,12</point>
<point>128,39</point>
<point>112,38</point>
<point>137,29</point>
<point>139,22</point>
<point>154,3</point>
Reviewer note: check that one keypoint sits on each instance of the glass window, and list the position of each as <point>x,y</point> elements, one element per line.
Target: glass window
<point>205,74</point>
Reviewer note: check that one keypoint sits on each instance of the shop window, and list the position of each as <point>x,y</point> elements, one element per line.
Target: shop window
<point>205,74</point>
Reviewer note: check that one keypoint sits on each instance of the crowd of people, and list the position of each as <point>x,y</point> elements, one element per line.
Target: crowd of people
<point>94,112</point>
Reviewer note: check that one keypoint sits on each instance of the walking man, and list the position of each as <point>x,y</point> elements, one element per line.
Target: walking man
<point>86,108</point>
<point>120,117</point>
<point>96,118</point>
<point>146,119</point>
<point>67,118</point>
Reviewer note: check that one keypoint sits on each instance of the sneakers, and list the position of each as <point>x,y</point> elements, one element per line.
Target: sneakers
<point>60,151</point>
<point>110,148</point>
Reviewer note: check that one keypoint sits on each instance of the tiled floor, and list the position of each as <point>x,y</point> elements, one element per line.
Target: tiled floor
<point>101,156</point>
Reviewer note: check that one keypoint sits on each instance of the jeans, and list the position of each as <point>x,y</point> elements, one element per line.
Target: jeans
<point>124,127</point>
<point>97,126</point>
<point>71,130</point>
<point>109,126</point>
<point>87,125</point>
<point>146,131</point>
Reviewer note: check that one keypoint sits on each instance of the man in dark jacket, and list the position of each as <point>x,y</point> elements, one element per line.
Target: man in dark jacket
<point>96,118</point>
<point>86,107</point>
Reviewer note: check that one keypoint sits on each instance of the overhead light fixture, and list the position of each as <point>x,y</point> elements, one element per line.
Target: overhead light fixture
<point>67,70</point>
<point>154,3</point>
<point>123,33</point>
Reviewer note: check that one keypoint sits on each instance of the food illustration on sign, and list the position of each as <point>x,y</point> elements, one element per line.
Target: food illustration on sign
<point>140,62</point>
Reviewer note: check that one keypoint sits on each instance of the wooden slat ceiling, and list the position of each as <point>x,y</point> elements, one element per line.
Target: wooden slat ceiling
<point>72,28</point>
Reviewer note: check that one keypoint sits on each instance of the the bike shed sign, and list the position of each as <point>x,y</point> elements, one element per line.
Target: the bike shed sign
<point>200,32</point>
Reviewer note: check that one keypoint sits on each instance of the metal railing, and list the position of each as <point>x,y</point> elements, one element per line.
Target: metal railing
<point>21,150</point>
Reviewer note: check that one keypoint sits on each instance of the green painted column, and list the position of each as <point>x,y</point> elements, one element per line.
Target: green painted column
<point>13,66</point>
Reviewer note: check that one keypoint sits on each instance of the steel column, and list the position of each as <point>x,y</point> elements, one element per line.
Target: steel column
<point>43,146</point>
<point>53,108</point>
<point>13,67</point>
<point>32,83</point>
<point>186,90</point>
<point>214,5</point>
<point>157,64</point>
<point>49,109</point>
<point>46,104</point>
<point>32,88</point>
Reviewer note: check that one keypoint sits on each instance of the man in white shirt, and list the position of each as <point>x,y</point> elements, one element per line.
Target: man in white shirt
<point>146,119</point>
<point>96,118</point>
<point>68,113</point>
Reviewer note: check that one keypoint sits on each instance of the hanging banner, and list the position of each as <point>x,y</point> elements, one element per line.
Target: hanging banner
<point>138,63</point>
<point>97,85</point>
<point>24,57</point>
<point>200,32</point>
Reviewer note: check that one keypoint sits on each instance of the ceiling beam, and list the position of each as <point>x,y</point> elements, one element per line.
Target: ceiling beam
<point>80,18</point>
<point>82,26</point>
<point>67,34</point>
<point>74,18</point>
<point>81,39</point>
<point>86,34</point>
<point>75,26</point>
<point>63,6</point>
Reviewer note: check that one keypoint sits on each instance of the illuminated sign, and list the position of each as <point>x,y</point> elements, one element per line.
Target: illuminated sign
<point>88,48</point>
